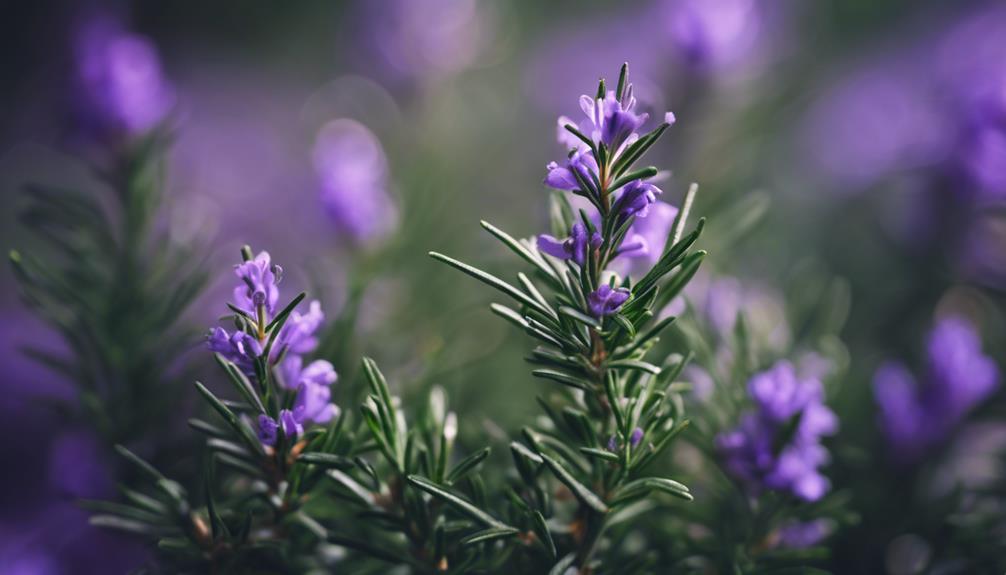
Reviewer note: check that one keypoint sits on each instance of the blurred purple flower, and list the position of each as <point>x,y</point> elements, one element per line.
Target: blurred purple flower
<point>916,414</point>
<point>715,34</point>
<point>877,122</point>
<point>122,87</point>
<point>79,466</point>
<point>290,421</point>
<point>259,284</point>
<point>416,38</point>
<point>299,332</point>
<point>268,429</point>
<point>606,300</point>
<point>637,437</point>
<point>751,452</point>
<point>574,247</point>
<point>352,172</point>
<point>803,534</point>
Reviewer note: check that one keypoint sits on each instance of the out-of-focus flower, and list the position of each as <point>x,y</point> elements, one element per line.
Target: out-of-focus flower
<point>268,430</point>
<point>637,437</point>
<point>298,333</point>
<point>259,284</point>
<point>777,446</point>
<point>715,34</point>
<point>122,87</point>
<point>876,122</point>
<point>79,466</point>
<point>606,300</point>
<point>352,173</point>
<point>916,414</point>
<point>804,534</point>
<point>290,421</point>
<point>574,247</point>
<point>417,38</point>
<point>721,300</point>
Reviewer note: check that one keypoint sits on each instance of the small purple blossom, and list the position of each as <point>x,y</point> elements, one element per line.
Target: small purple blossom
<point>647,237</point>
<point>259,279</point>
<point>635,199</point>
<point>637,437</point>
<point>614,119</point>
<point>804,534</point>
<point>119,75</point>
<point>574,247</point>
<point>715,33</point>
<point>290,421</point>
<point>581,162</point>
<point>238,347</point>
<point>606,300</point>
<point>916,414</point>
<point>613,444</point>
<point>352,173</point>
<point>750,452</point>
<point>298,334</point>
<point>268,430</point>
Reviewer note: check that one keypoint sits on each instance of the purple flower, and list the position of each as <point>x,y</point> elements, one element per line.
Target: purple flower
<point>352,172</point>
<point>751,452</point>
<point>647,237</point>
<point>315,403</point>
<point>121,83</point>
<point>259,279</point>
<point>574,247</point>
<point>312,384</point>
<point>916,414</point>
<point>290,421</point>
<point>582,162</point>
<point>239,347</point>
<point>804,534</point>
<point>637,437</point>
<point>267,429</point>
<point>298,333</point>
<point>635,199</point>
<point>715,33</point>
<point>606,300</point>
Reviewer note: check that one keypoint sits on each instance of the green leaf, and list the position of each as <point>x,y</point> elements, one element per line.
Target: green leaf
<point>240,382</point>
<point>509,315</point>
<point>494,282</point>
<point>563,564</point>
<point>280,319</point>
<point>230,418</point>
<point>361,492</point>
<point>466,465</point>
<point>457,501</point>
<point>541,530</point>
<point>490,534</point>
<point>581,491</point>
<point>635,365</point>
<point>327,460</point>
<point>642,487</point>
<point>682,218</point>
<point>519,249</point>
<point>580,317</point>
<point>563,378</point>
<point>602,454</point>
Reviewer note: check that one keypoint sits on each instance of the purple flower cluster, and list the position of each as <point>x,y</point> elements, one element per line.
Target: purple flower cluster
<point>939,106</point>
<point>352,173</point>
<point>778,445</point>
<point>597,156</point>
<point>257,294</point>
<point>121,86</point>
<point>918,413</point>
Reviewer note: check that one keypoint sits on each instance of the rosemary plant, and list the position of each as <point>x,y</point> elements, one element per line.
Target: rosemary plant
<point>114,288</point>
<point>583,471</point>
